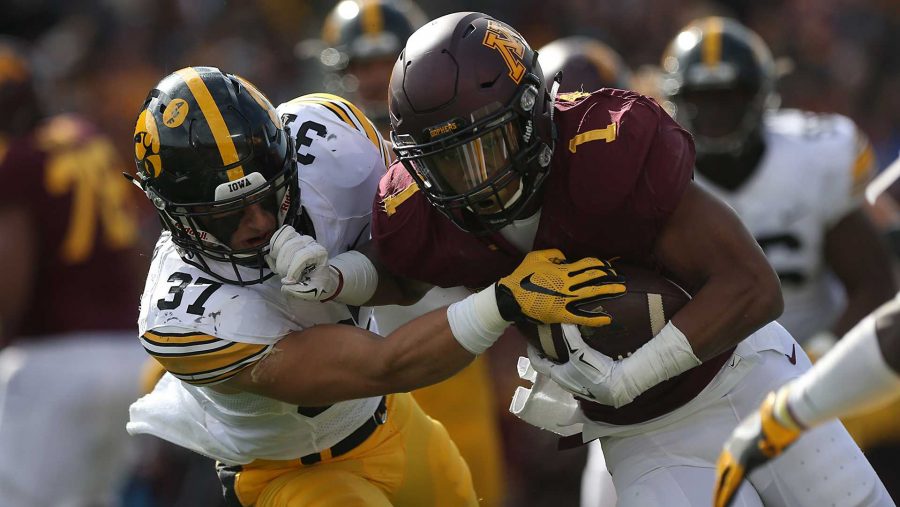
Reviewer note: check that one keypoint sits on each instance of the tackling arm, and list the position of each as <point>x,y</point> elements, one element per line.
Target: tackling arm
<point>329,363</point>
<point>735,291</point>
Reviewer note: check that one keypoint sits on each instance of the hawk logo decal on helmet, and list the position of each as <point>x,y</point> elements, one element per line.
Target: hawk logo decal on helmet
<point>510,45</point>
<point>175,113</point>
<point>146,145</point>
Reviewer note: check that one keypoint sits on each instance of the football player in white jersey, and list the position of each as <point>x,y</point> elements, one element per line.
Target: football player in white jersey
<point>869,355</point>
<point>795,178</point>
<point>281,391</point>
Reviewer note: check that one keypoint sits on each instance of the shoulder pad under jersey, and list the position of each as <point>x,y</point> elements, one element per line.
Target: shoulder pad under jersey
<point>341,158</point>
<point>621,148</point>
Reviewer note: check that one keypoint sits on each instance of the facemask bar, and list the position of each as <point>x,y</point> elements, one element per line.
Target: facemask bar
<point>523,153</point>
<point>184,221</point>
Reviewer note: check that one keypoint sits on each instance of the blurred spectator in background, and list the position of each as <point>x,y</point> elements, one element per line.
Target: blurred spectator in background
<point>71,276</point>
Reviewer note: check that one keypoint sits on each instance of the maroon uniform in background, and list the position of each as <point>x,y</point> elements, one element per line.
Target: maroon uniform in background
<point>67,176</point>
<point>619,169</point>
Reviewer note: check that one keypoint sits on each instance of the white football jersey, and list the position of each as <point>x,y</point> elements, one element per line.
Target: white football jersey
<point>812,174</point>
<point>204,331</point>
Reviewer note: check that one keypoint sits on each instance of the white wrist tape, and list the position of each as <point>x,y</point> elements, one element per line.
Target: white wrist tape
<point>668,354</point>
<point>476,322</point>
<point>358,278</point>
<point>852,377</point>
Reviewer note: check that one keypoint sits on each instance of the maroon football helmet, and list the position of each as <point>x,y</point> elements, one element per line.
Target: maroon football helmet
<point>586,64</point>
<point>471,119</point>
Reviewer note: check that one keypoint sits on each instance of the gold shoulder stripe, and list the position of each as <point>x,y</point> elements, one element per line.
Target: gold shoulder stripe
<point>205,366</point>
<point>392,201</point>
<point>214,119</point>
<point>362,122</point>
<point>178,339</point>
<point>572,96</point>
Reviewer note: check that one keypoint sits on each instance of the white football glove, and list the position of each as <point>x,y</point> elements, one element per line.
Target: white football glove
<point>302,264</point>
<point>588,373</point>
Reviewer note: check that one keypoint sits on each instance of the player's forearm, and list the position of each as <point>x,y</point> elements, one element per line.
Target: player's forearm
<point>858,256</point>
<point>728,308</point>
<point>391,289</point>
<point>824,392</point>
<point>861,301</point>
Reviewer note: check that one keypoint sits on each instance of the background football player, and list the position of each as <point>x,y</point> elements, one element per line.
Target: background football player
<point>477,133</point>
<point>294,408</point>
<point>363,39</point>
<point>71,268</point>
<point>586,64</point>
<point>795,178</point>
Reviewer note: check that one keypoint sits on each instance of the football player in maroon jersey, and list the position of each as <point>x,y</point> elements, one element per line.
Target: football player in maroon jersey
<point>71,274</point>
<point>493,165</point>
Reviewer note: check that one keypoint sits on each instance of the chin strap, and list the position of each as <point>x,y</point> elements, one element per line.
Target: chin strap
<point>554,91</point>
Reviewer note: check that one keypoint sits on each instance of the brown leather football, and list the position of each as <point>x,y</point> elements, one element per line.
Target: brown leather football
<point>649,302</point>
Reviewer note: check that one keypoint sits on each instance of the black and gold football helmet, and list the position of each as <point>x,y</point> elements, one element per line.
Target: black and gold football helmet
<point>366,29</point>
<point>208,147</point>
<point>719,76</point>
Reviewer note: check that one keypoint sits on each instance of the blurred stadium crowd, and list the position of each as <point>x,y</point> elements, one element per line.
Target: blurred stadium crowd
<point>99,57</point>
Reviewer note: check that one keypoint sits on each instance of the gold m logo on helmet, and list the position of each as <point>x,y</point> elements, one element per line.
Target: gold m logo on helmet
<point>510,45</point>
<point>175,113</point>
<point>146,145</point>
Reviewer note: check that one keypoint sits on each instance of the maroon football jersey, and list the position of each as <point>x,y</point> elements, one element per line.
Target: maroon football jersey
<point>88,271</point>
<point>620,167</point>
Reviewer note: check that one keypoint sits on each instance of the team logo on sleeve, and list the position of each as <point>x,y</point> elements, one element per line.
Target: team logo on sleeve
<point>510,45</point>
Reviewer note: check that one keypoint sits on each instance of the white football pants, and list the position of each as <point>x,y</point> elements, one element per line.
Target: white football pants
<point>674,465</point>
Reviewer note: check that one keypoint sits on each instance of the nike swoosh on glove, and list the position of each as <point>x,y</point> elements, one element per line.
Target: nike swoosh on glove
<point>587,373</point>
<point>548,289</point>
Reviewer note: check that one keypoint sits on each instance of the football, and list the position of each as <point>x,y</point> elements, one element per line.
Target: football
<point>649,302</point>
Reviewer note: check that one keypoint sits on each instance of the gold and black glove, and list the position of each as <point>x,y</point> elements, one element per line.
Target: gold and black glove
<point>547,289</point>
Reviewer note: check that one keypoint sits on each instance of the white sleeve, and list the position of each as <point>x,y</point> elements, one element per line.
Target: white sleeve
<point>850,378</point>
